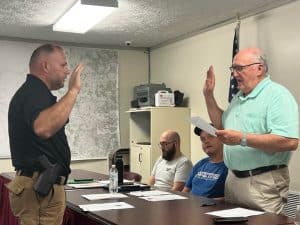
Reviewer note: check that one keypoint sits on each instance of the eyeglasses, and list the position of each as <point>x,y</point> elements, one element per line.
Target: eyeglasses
<point>239,68</point>
<point>164,144</point>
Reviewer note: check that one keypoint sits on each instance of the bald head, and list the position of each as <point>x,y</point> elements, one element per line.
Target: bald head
<point>41,52</point>
<point>49,63</point>
<point>249,68</point>
<point>170,135</point>
<point>170,145</point>
<point>250,55</point>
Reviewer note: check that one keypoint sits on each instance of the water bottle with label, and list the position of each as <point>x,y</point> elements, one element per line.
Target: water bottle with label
<point>297,217</point>
<point>113,179</point>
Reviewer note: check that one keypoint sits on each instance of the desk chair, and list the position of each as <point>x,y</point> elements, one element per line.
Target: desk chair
<point>111,158</point>
<point>126,174</point>
<point>292,202</point>
<point>132,176</point>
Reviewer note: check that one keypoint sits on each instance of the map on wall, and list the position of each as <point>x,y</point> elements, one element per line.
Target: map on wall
<point>93,129</point>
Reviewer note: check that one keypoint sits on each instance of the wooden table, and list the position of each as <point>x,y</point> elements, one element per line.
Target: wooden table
<point>175,212</point>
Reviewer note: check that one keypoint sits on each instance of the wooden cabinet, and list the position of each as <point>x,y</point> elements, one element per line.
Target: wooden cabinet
<point>140,158</point>
<point>146,125</point>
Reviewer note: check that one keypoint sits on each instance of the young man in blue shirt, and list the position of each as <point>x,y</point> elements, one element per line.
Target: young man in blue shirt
<point>208,176</point>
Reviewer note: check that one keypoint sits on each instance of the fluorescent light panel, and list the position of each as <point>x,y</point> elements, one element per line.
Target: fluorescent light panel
<point>84,14</point>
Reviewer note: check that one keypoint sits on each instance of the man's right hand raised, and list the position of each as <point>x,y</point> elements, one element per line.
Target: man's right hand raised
<point>75,81</point>
<point>209,85</point>
<point>214,111</point>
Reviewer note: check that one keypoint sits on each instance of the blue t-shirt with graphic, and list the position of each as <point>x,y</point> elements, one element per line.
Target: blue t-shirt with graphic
<point>207,179</point>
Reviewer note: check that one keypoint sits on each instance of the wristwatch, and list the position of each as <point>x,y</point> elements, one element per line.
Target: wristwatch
<point>244,140</point>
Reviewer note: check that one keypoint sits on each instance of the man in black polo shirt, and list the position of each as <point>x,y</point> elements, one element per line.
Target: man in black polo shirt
<point>36,122</point>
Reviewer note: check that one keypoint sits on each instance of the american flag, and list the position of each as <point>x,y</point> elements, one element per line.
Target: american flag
<point>233,83</point>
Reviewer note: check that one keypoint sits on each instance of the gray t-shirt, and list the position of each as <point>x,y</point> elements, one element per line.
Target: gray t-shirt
<point>168,172</point>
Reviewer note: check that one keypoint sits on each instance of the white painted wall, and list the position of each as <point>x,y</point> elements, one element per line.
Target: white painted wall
<point>183,64</point>
<point>133,70</point>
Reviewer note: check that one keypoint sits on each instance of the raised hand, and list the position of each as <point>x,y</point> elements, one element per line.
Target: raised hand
<point>209,85</point>
<point>75,81</point>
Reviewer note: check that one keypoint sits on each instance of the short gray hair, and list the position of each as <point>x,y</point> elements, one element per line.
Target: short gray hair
<point>46,49</point>
<point>260,57</point>
<point>264,61</point>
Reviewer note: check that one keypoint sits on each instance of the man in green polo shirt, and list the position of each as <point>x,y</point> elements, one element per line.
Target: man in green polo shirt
<point>259,130</point>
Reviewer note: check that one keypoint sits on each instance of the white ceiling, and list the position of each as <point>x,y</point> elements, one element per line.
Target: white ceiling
<point>146,23</point>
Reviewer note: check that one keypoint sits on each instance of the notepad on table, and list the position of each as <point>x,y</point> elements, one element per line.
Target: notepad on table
<point>80,181</point>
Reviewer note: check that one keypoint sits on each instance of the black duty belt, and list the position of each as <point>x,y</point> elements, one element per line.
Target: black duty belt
<point>28,173</point>
<point>257,171</point>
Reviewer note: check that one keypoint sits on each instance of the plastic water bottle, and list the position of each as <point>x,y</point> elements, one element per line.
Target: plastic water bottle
<point>113,179</point>
<point>297,217</point>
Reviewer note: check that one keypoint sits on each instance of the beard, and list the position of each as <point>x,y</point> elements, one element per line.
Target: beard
<point>169,154</point>
<point>58,84</point>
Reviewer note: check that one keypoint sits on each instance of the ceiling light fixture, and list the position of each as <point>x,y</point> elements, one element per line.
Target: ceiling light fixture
<point>84,14</point>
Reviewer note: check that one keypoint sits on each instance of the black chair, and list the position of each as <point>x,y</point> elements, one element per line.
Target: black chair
<point>132,176</point>
<point>126,173</point>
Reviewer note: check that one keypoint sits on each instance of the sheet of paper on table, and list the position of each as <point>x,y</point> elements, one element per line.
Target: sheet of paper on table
<point>94,184</point>
<point>104,196</point>
<point>158,198</point>
<point>148,193</point>
<point>235,212</point>
<point>98,183</point>
<point>105,206</point>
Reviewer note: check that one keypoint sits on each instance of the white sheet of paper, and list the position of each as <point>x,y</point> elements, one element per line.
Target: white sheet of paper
<point>105,206</point>
<point>148,193</point>
<point>158,198</point>
<point>235,212</point>
<point>95,184</point>
<point>104,196</point>
<point>203,125</point>
<point>89,185</point>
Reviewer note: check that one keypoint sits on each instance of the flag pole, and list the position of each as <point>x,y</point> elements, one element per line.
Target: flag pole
<point>235,48</point>
<point>238,19</point>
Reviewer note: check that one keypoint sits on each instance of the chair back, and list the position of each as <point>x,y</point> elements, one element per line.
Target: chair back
<point>132,176</point>
<point>292,202</point>
<point>122,152</point>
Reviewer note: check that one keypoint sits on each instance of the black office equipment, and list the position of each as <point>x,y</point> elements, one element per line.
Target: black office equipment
<point>133,187</point>
<point>230,220</point>
<point>145,93</point>
<point>120,168</point>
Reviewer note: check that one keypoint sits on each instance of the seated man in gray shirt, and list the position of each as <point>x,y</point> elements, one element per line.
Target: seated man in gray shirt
<point>171,170</point>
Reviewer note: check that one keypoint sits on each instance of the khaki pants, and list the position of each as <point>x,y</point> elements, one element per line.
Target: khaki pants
<point>30,208</point>
<point>267,191</point>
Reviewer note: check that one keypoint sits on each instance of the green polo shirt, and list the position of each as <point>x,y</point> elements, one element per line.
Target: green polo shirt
<point>269,109</point>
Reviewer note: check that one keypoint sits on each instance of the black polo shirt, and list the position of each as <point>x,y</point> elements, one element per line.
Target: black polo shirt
<point>25,146</point>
